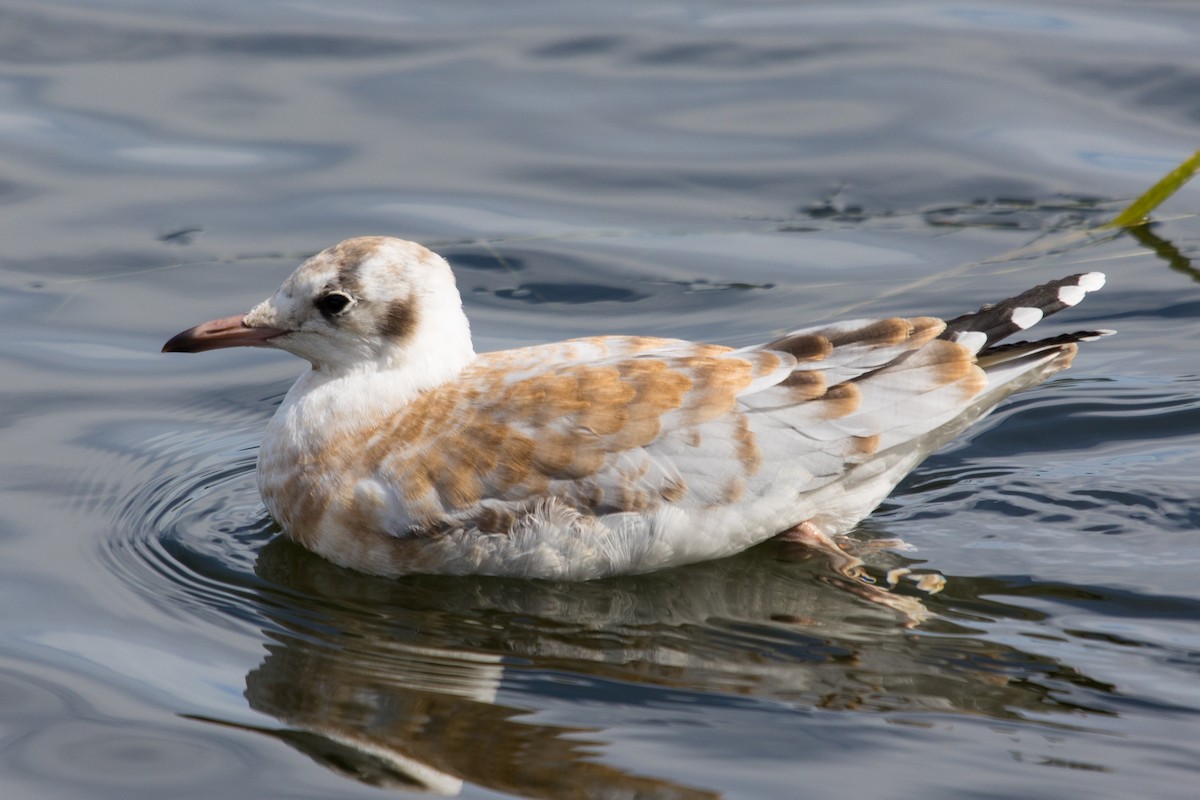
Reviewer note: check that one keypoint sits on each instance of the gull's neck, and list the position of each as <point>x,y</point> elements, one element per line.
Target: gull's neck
<point>331,399</point>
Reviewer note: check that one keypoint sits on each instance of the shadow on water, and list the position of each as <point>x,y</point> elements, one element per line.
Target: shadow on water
<point>401,683</point>
<point>1165,250</point>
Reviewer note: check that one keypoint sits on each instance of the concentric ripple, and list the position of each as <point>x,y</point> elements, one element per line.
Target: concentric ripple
<point>192,524</point>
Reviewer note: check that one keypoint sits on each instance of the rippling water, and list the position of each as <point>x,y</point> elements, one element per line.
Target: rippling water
<point>704,170</point>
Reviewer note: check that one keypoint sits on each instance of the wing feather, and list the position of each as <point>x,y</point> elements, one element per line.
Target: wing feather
<point>609,425</point>
<point>581,420</point>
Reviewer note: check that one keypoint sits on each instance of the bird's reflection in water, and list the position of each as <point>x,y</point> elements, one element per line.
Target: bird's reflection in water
<point>396,682</point>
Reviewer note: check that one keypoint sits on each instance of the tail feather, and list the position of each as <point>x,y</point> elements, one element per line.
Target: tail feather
<point>982,329</point>
<point>1010,351</point>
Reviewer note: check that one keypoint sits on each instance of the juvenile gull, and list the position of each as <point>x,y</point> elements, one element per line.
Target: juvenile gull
<point>402,451</point>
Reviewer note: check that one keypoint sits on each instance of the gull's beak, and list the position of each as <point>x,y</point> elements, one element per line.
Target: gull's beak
<point>225,332</point>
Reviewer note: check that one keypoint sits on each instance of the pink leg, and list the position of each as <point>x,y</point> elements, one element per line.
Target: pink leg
<point>810,536</point>
<point>851,573</point>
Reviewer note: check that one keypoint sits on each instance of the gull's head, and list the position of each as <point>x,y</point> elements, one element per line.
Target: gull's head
<point>373,301</point>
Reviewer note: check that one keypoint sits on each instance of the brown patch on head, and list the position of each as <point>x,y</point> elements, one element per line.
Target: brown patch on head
<point>348,256</point>
<point>803,346</point>
<point>841,400</point>
<point>351,252</point>
<point>399,320</point>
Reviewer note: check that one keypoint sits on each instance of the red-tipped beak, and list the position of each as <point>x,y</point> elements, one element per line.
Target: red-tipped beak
<point>226,332</point>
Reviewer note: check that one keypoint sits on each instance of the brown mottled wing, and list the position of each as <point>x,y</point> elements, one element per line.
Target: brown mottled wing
<point>865,387</point>
<point>617,424</point>
<point>577,420</point>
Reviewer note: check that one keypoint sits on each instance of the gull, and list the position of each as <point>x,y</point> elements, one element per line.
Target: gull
<point>400,450</point>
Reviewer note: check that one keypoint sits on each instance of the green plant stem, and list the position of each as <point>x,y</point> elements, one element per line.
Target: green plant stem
<point>1136,212</point>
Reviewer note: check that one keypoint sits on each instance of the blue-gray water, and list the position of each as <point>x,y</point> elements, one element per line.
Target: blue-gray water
<point>709,170</point>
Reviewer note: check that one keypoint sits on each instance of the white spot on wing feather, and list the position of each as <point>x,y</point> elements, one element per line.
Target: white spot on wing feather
<point>1070,295</point>
<point>1026,317</point>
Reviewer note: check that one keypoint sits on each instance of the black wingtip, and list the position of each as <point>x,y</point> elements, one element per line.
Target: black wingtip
<point>1001,320</point>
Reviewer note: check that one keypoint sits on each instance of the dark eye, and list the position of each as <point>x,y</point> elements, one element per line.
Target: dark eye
<point>332,304</point>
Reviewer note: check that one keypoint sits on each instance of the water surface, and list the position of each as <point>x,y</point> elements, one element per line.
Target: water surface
<point>701,170</point>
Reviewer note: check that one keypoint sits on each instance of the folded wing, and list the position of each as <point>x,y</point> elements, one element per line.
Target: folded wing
<point>613,425</point>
